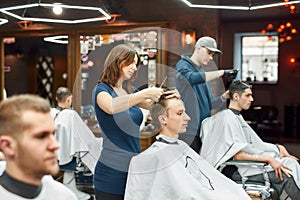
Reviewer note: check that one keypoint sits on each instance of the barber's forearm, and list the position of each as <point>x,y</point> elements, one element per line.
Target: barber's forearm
<point>214,74</point>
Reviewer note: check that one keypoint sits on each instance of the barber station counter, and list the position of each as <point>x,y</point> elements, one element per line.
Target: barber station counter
<point>147,137</point>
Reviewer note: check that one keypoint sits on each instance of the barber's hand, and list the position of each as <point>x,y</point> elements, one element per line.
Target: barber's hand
<point>230,73</point>
<point>153,93</point>
<point>172,93</point>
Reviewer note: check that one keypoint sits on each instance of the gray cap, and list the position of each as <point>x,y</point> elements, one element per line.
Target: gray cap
<point>209,43</point>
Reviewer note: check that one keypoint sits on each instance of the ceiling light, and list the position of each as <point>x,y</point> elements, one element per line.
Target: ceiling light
<point>60,39</point>
<point>3,21</point>
<point>239,7</point>
<point>8,10</point>
<point>57,9</point>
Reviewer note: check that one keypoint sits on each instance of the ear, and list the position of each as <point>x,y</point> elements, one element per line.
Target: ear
<point>7,145</point>
<point>236,96</point>
<point>162,119</point>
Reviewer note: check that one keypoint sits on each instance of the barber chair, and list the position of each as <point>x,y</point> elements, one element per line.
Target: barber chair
<point>263,189</point>
<point>78,178</point>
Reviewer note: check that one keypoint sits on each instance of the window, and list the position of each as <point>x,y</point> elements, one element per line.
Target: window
<point>256,56</point>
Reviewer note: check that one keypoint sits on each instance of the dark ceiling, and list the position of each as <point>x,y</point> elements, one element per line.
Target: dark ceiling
<point>148,11</point>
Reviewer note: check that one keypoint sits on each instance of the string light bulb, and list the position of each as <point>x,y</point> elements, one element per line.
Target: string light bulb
<point>285,31</point>
<point>292,9</point>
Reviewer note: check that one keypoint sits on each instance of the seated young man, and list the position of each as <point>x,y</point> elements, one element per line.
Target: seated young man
<point>28,143</point>
<point>171,170</point>
<point>226,135</point>
<point>77,141</point>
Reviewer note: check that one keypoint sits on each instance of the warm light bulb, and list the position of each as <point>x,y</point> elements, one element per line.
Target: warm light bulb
<point>270,26</point>
<point>286,5</point>
<point>292,7</point>
<point>292,60</point>
<point>269,38</point>
<point>188,39</point>
<point>292,11</point>
<point>281,40</point>
<point>294,31</point>
<point>287,38</point>
<point>57,9</point>
<point>263,31</point>
<point>288,24</point>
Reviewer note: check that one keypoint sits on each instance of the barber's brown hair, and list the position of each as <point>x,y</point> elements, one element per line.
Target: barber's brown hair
<point>120,56</point>
<point>12,109</point>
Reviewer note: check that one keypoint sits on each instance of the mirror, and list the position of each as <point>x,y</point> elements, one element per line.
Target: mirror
<point>256,56</point>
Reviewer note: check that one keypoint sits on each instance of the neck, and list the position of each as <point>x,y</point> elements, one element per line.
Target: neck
<point>194,59</point>
<point>119,84</point>
<point>22,176</point>
<point>234,106</point>
<point>168,134</point>
<point>62,105</point>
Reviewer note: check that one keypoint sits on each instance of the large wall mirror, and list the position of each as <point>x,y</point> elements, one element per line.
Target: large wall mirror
<point>40,62</point>
<point>94,49</point>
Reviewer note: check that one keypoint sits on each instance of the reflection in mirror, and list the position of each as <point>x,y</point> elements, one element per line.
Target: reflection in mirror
<point>95,48</point>
<point>257,57</point>
<point>30,64</point>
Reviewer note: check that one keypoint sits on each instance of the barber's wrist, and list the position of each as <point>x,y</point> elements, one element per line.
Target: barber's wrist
<point>223,97</point>
<point>222,72</point>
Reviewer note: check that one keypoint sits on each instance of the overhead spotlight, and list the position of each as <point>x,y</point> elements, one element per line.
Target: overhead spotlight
<point>11,12</point>
<point>57,9</point>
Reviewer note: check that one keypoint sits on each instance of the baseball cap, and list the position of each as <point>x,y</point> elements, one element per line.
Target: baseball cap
<point>209,43</point>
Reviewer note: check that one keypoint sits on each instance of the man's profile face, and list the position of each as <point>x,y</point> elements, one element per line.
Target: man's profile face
<point>177,119</point>
<point>245,100</point>
<point>204,55</point>
<point>36,147</point>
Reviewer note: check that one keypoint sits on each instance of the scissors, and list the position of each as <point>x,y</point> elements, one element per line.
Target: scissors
<point>163,82</point>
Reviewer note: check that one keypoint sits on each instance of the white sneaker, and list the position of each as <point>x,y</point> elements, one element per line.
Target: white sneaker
<point>70,181</point>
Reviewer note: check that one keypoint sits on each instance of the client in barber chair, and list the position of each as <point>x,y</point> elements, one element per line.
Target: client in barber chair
<point>169,169</point>
<point>226,135</point>
<point>79,146</point>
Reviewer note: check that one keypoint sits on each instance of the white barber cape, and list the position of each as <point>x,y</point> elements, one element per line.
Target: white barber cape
<point>225,134</point>
<point>75,138</point>
<point>51,189</point>
<point>175,171</point>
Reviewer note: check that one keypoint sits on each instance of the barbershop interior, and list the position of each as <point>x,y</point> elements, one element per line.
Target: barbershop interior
<point>48,44</point>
